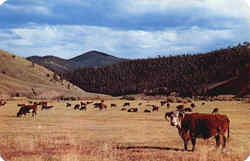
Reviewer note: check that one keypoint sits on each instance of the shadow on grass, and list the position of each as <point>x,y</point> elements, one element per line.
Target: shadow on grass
<point>151,147</point>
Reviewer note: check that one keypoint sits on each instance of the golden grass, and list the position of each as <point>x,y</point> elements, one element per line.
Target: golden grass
<point>62,134</point>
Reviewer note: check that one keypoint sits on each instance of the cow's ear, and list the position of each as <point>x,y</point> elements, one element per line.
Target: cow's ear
<point>168,114</point>
<point>181,115</point>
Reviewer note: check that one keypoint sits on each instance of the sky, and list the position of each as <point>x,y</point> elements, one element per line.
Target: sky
<point>122,28</point>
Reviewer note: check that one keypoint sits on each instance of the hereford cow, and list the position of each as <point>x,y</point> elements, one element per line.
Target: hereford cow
<point>27,109</point>
<point>198,125</point>
<point>126,104</point>
<point>155,108</point>
<point>133,110</point>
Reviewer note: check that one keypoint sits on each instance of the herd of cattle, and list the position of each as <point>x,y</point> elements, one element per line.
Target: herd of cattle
<point>190,125</point>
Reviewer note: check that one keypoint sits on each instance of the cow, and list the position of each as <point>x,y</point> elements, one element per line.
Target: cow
<point>101,106</point>
<point>155,108</point>
<point>77,107</point>
<point>126,104</point>
<point>163,103</point>
<point>215,111</point>
<point>27,109</point>
<point>133,110</point>
<point>2,103</point>
<point>123,109</point>
<point>199,125</point>
<point>180,107</point>
<point>168,105</point>
<point>192,105</point>
<point>113,105</point>
<point>68,105</point>
<point>147,111</point>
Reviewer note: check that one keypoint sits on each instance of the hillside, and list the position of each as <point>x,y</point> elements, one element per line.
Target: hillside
<point>88,59</point>
<point>222,71</point>
<point>20,77</point>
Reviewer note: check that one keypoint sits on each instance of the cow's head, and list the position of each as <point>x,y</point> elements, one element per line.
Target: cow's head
<point>175,117</point>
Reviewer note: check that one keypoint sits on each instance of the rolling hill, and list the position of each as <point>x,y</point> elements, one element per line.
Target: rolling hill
<point>22,78</point>
<point>224,71</point>
<point>88,59</point>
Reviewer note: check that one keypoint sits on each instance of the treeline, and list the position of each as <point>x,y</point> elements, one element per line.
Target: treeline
<point>187,75</point>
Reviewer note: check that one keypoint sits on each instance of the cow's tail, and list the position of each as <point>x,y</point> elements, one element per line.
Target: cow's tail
<point>228,130</point>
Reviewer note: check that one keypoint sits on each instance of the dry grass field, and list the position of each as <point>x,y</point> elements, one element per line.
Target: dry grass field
<point>62,134</point>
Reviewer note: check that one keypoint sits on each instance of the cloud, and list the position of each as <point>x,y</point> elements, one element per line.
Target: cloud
<point>71,40</point>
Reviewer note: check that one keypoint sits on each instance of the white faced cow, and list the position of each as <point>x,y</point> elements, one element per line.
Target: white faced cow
<point>199,125</point>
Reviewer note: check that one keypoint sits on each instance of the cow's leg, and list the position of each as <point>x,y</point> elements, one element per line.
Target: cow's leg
<point>193,139</point>
<point>185,143</point>
<point>217,138</point>
<point>224,141</point>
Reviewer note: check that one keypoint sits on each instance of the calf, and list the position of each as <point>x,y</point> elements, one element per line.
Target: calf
<point>199,125</point>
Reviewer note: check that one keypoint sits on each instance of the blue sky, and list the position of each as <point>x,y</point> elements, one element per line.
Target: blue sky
<point>123,28</point>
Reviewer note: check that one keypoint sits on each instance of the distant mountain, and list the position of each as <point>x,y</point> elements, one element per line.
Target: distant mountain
<point>20,77</point>
<point>88,59</point>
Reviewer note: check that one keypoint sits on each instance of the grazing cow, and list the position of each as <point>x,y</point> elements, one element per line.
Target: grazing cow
<point>133,110</point>
<point>123,109</point>
<point>27,109</point>
<point>101,106</point>
<point>215,111</point>
<point>155,108</point>
<point>180,107</point>
<point>147,111</point>
<point>199,125</point>
<point>113,105</point>
<point>163,103</point>
<point>68,105</point>
<point>44,107</point>
<point>77,107</point>
<point>126,104</point>
<point>192,105</point>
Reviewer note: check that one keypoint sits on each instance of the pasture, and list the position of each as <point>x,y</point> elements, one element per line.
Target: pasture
<point>61,134</point>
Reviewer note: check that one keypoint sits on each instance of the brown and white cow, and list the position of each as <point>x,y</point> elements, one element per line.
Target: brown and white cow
<point>199,125</point>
